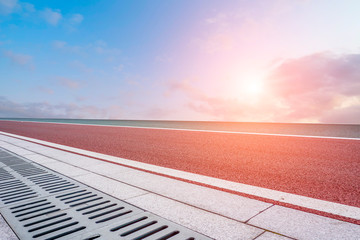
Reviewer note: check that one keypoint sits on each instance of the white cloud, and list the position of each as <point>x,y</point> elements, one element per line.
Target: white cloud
<point>76,18</point>
<point>52,17</point>
<point>46,90</point>
<point>119,68</point>
<point>101,47</point>
<point>8,6</point>
<point>68,83</point>
<point>19,59</point>
<point>62,45</point>
<point>9,108</point>
<point>81,66</point>
<point>59,44</point>
<point>28,7</point>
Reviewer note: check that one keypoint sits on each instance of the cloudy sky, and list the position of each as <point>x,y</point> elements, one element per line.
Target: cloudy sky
<point>273,61</point>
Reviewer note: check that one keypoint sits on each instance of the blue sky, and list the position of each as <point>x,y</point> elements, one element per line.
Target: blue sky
<point>276,60</point>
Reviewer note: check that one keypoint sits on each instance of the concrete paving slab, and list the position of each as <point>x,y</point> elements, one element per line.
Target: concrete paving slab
<point>303,225</point>
<point>65,169</point>
<point>271,236</point>
<point>210,224</point>
<point>230,205</point>
<point>18,150</point>
<point>6,233</point>
<point>107,169</point>
<point>71,158</point>
<point>40,159</point>
<point>111,187</point>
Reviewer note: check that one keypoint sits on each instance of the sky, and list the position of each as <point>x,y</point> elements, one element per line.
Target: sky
<point>249,61</point>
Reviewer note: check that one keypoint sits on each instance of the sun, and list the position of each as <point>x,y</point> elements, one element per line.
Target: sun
<point>249,86</point>
<point>253,87</point>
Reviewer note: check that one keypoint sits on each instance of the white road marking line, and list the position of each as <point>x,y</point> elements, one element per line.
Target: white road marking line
<point>198,130</point>
<point>297,200</point>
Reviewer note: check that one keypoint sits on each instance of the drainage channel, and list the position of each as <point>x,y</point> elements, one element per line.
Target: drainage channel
<point>39,203</point>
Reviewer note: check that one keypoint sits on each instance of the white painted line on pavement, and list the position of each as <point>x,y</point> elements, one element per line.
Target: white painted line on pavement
<point>297,200</point>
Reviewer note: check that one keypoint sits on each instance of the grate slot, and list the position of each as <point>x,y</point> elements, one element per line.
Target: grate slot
<point>55,229</point>
<point>17,193</point>
<point>34,211</point>
<point>113,217</point>
<point>21,199</point>
<point>36,178</point>
<point>68,194</point>
<point>41,214</point>
<point>91,206</point>
<point>56,186</point>
<point>81,203</point>
<point>14,191</point>
<point>152,232</point>
<point>93,237</point>
<point>105,213</point>
<point>79,195</point>
<point>47,184</point>
<point>66,233</point>
<point>49,224</point>
<point>82,198</point>
<point>30,170</point>
<point>14,197</point>
<point>14,187</point>
<point>5,178</point>
<point>170,235</point>
<point>128,224</point>
<point>99,209</point>
<point>26,174</point>
<point>49,180</point>
<point>63,189</point>
<point>27,204</point>
<point>24,209</point>
<point>45,179</point>
<point>9,183</point>
<point>138,228</point>
<point>44,220</point>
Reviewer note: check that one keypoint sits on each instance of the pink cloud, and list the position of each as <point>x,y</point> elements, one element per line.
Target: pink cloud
<point>46,90</point>
<point>81,67</point>
<point>221,108</point>
<point>68,83</point>
<point>322,87</point>
<point>349,115</point>
<point>314,86</point>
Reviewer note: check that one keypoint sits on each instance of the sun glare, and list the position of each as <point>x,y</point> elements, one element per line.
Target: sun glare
<point>253,87</point>
<point>249,86</point>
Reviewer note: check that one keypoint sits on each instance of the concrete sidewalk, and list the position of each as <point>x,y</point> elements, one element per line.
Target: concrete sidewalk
<point>214,213</point>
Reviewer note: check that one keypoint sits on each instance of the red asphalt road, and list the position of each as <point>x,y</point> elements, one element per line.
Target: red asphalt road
<point>327,169</point>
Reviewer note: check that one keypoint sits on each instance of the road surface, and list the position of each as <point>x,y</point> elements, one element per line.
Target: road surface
<point>322,168</point>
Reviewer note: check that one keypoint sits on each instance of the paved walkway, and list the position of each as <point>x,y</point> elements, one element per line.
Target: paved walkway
<point>214,213</point>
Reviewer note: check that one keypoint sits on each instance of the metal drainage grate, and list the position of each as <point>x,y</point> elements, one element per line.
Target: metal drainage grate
<point>39,203</point>
<point>8,160</point>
